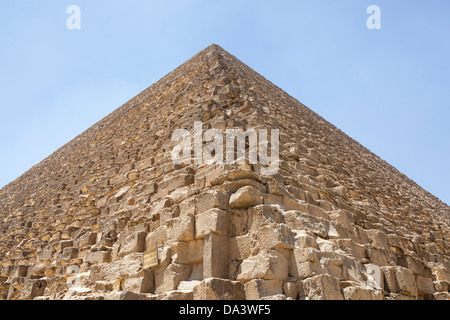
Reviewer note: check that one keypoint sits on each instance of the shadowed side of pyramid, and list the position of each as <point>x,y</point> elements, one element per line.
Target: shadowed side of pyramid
<point>334,222</point>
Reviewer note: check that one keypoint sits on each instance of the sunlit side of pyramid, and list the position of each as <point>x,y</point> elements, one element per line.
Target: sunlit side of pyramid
<point>335,222</point>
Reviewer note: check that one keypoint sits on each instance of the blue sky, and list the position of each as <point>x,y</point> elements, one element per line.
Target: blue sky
<point>389,89</point>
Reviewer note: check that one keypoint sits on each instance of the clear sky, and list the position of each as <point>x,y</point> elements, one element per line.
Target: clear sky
<point>389,89</point>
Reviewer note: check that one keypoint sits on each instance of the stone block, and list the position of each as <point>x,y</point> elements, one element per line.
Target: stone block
<point>69,254</point>
<point>400,280</point>
<point>170,278</point>
<point>263,215</point>
<point>158,237</point>
<point>274,236</point>
<point>378,238</point>
<point>303,240</point>
<point>142,284</point>
<point>293,289</point>
<point>304,263</point>
<point>213,220</point>
<point>297,220</point>
<point>212,199</point>
<point>190,252</point>
<point>351,247</point>
<point>257,289</point>
<point>88,239</point>
<point>32,288</point>
<point>240,247</point>
<point>182,228</point>
<point>124,295</point>
<point>134,242</point>
<point>362,293</point>
<point>219,289</point>
<point>216,256</point>
<point>323,287</point>
<point>245,197</point>
<point>268,264</point>
<point>94,257</point>
<point>425,286</point>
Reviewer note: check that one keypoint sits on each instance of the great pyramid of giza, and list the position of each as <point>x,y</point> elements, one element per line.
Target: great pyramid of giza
<point>112,215</point>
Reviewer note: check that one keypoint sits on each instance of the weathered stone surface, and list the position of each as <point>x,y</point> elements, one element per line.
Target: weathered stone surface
<point>213,220</point>
<point>219,289</point>
<point>362,293</point>
<point>245,197</point>
<point>323,287</point>
<point>212,199</point>
<point>258,288</point>
<point>32,288</point>
<point>171,277</point>
<point>216,256</point>
<point>306,222</point>
<point>268,264</point>
<point>190,252</point>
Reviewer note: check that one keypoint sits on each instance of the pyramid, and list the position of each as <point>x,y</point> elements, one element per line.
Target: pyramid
<point>113,215</point>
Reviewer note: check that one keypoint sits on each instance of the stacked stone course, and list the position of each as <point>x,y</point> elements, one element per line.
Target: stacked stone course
<point>335,222</point>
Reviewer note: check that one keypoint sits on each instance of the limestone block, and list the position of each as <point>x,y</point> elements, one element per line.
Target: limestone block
<point>69,254</point>
<point>142,284</point>
<point>219,289</point>
<point>268,264</point>
<point>190,252</point>
<point>293,289</point>
<point>177,181</point>
<point>274,236</point>
<point>213,220</point>
<point>297,220</point>
<point>32,288</point>
<point>19,271</point>
<point>305,263</point>
<point>182,228</point>
<point>323,287</point>
<point>88,239</point>
<point>238,223</point>
<point>95,257</point>
<point>171,277</point>
<point>188,206</point>
<point>212,199</point>
<point>240,247</point>
<point>377,255</point>
<point>124,295</point>
<point>400,280</point>
<point>378,238</point>
<point>216,256</point>
<point>344,218</point>
<point>263,215</point>
<point>245,197</point>
<point>177,295</point>
<point>188,285</point>
<point>351,247</point>
<point>362,293</point>
<point>258,288</point>
<point>425,286</point>
<point>157,238</point>
<point>303,240</point>
<point>134,242</point>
